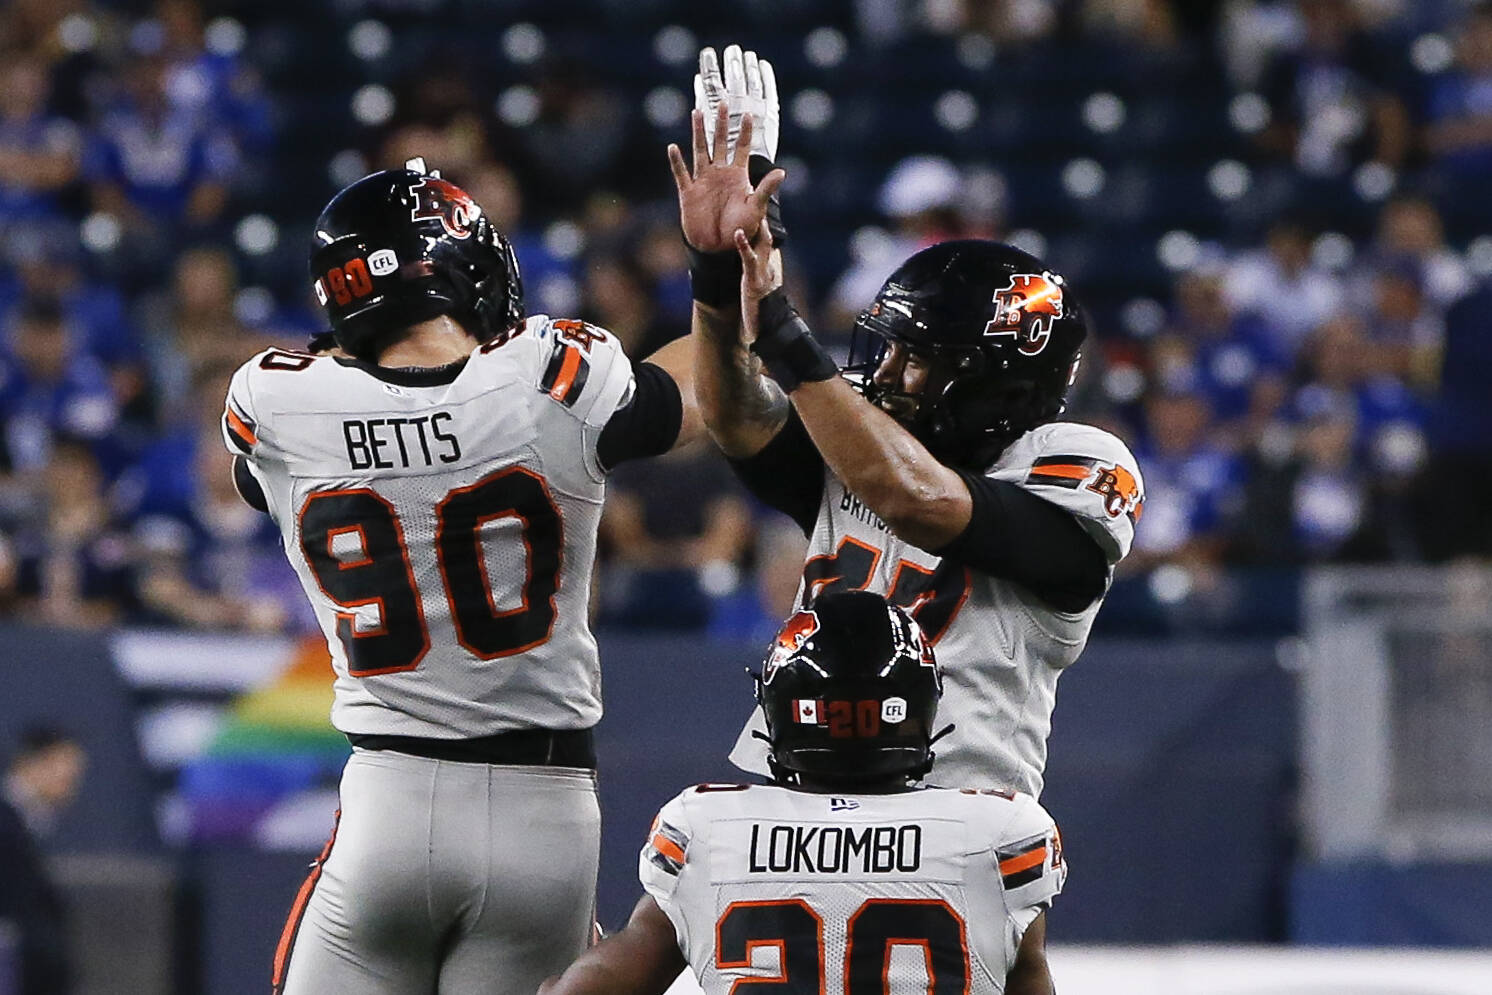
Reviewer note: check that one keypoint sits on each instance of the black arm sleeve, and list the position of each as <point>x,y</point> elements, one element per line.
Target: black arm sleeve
<point>647,425</point>
<point>788,474</point>
<point>248,487</point>
<point>1017,536</point>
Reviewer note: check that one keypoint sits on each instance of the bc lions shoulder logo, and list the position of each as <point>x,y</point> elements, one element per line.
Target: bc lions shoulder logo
<point>1026,309</point>
<point>1120,492</point>
<point>797,631</point>
<point>441,200</point>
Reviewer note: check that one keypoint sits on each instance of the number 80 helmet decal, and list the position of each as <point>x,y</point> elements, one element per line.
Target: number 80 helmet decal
<point>403,246</point>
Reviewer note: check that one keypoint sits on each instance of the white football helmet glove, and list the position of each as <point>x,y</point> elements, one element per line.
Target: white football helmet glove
<point>747,86</point>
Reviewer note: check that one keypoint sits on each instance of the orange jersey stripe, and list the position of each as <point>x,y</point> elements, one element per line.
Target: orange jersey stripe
<point>668,848</point>
<point>237,427</point>
<point>566,377</point>
<point>1026,860</point>
<point>1065,470</point>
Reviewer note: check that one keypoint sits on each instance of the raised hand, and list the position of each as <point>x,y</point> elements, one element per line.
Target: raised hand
<point>717,197</point>
<point>748,85</point>
<point>761,273</point>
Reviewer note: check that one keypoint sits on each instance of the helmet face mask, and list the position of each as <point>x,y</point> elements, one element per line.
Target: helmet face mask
<point>1001,335</point>
<point>849,690</point>
<point>403,246</point>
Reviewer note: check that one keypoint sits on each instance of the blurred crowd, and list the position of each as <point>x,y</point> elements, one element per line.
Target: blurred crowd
<point>1278,213</point>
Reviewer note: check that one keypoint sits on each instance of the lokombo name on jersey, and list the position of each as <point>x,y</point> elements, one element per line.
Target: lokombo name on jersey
<point>443,523</point>
<point>1001,648</point>
<point>809,849</point>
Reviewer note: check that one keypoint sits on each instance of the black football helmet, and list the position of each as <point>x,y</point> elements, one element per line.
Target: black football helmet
<point>403,246</point>
<point>1003,335</point>
<point>849,689</point>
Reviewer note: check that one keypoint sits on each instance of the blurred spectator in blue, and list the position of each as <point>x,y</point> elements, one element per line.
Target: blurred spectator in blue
<point>1410,229</point>
<point>48,387</point>
<point>1329,497</point>
<point>39,153</point>
<point>755,610</point>
<point>1407,330</point>
<point>1229,358</point>
<point>1458,132</point>
<point>158,169</point>
<point>192,326</point>
<point>1190,481</point>
<point>1312,497</point>
<point>48,265</point>
<point>75,560</point>
<point>1346,369</point>
<point>619,296</point>
<point>660,253</point>
<point>1282,285</point>
<point>549,279</point>
<point>212,83</point>
<point>677,533</point>
<point>1332,98</point>
<point>207,560</point>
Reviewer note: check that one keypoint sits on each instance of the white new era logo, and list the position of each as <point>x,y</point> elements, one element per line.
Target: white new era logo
<point>810,711</point>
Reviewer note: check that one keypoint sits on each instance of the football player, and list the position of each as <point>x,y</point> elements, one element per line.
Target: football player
<point>933,470</point>
<point>842,875</point>
<point>437,478</point>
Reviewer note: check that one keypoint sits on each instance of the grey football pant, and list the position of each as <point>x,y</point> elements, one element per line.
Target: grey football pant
<point>446,878</point>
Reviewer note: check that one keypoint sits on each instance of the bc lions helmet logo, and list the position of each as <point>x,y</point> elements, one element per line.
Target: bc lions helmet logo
<point>1026,309</point>
<point>795,632</point>
<point>441,200</point>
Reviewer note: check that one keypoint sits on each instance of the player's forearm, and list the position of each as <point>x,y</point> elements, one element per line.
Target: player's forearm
<point>741,408</point>
<point>880,462</point>
<point>642,959</point>
<point>586,977</point>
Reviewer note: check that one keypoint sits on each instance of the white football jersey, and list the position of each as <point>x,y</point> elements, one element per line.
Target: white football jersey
<point>1001,648</point>
<point>443,526</point>
<point>919,891</point>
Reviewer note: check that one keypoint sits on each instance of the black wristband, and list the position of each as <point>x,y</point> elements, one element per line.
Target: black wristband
<point>757,167</point>
<point>714,277</point>
<point>787,346</point>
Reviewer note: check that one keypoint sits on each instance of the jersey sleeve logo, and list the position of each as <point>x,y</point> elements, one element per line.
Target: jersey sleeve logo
<point>1120,492</point>
<point>667,846</point>
<point>565,377</point>
<point>1115,484</point>
<point>1026,309</point>
<point>1023,862</point>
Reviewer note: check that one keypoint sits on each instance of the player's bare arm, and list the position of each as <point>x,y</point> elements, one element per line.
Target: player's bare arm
<point>742,409</point>
<point>1030,975</point>
<point>922,501</point>
<point>642,959</point>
